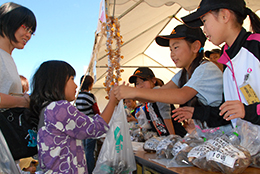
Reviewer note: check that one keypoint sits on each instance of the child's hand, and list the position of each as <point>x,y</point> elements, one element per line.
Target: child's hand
<point>183,113</point>
<point>124,91</point>
<point>112,97</point>
<point>189,125</point>
<point>232,109</point>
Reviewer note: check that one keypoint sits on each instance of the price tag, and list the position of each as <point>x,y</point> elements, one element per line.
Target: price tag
<point>247,90</point>
<point>221,158</point>
<point>219,142</point>
<point>201,150</point>
<point>178,147</point>
<point>249,94</point>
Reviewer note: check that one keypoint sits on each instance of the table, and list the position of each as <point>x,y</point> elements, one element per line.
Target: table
<point>147,166</point>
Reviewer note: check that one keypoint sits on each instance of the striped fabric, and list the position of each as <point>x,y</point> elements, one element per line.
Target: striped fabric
<point>84,103</point>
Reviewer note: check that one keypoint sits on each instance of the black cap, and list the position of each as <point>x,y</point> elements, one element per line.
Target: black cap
<point>193,19</point>
<point>182,31</point>
<point>208,53</point>
<point>143,73</point>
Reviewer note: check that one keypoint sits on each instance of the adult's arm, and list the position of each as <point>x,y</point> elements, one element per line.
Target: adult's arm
<point>9,101</point>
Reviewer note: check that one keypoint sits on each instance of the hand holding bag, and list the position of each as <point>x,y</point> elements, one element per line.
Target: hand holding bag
<point>116,155</point>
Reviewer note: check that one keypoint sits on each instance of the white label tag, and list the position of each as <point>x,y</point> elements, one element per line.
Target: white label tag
<point>178,147</point>
<point>221,158</point>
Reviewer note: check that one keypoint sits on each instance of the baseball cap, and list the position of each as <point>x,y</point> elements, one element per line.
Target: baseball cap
<point>193,19</point>
<point>143,73</point>
<point>182,31</point>
<point>26,162</point>
<point>208,53</point>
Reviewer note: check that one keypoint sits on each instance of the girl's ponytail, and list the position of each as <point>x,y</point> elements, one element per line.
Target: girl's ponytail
<point>255,20</point>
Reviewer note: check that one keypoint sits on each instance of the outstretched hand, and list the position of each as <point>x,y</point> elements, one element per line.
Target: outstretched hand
<point>124,91</point>
<point>232,109</point>
<point>183,113</point>
<point>112,97</point>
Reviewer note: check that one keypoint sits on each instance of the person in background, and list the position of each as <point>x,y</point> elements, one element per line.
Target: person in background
<point>159,113</point>
<point>131,109</point>
<point>241,56</point>
<point>87,104</point>
<point>25,83</point>
<point>199,82</point>
<point>28,165</point>
<point>62,127</point>
<point>213,56</point>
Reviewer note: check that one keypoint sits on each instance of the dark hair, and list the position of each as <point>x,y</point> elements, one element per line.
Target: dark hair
<point>87,82</point>
<point>12,16</point>
<point>128,99</point>
<point>158,82</point>
<point>48,84</point>
<point>194,64</point>
<point>254,19</point>
<point>25,83</point>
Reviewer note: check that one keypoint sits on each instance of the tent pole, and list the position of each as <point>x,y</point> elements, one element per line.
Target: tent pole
<point>171,17</point>
<point>114,8</point>
<point>140,66</point>
<point>130,9</point>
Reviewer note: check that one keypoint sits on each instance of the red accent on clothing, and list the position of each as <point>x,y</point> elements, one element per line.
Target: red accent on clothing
<point>95,109</point>
<point>255,36</point>
<point>258,109</point>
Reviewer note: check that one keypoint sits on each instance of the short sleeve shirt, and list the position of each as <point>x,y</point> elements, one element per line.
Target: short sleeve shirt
<point>207,80</point>
<point>9,78</point>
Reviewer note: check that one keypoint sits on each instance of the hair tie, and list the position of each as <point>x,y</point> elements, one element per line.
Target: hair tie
<point>248,11</point>
<point>201,49</point>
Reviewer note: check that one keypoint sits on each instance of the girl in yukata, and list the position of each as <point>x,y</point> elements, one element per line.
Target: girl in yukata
<point>62,127</point>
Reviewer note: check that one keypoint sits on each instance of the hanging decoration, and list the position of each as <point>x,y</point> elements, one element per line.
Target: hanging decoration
<point>113,43</point>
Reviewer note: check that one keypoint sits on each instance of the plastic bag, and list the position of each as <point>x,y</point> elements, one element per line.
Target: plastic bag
<point>164,148</point>
<point>179,152</point>
<point>151,144</point>
<point>250,139</point>
<point>142,120</point>
<point>255,160</point>
<point>181,149</point>
<point>137,135</point>
<point>197,155</point>
<point>116,155</point>
<point>206,132</point>
<point>7,164</point>
<point>249,135</point>
<point>229,159</point>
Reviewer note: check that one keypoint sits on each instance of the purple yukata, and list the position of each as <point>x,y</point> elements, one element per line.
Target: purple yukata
<point>60,146</point>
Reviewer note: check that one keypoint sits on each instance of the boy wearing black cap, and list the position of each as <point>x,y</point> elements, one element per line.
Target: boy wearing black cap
<point>199,82</point>
<point>159,114</point>
<point>222,20</point>
<point>213,56</point>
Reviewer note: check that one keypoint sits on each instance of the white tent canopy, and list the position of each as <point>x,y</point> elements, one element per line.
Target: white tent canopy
<point>140,22</point>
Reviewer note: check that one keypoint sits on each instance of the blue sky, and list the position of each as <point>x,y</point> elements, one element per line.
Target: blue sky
<point>65,31</point>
